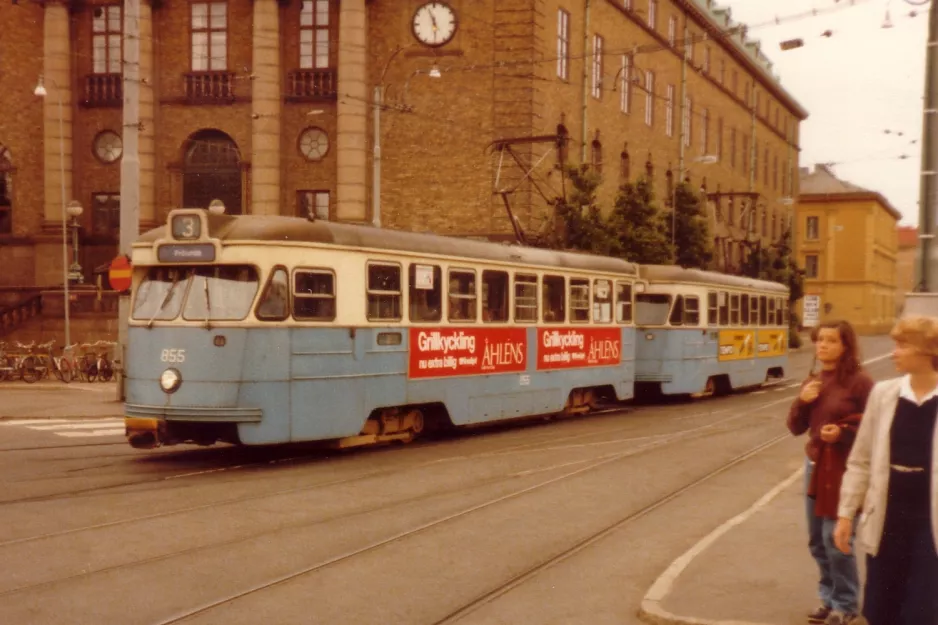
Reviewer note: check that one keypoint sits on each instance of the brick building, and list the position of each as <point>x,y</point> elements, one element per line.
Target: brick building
<point>267,106</point>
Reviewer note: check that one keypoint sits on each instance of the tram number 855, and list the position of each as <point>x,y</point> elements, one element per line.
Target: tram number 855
<point>173,355</point>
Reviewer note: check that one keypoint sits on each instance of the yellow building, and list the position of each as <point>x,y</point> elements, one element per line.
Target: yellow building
<point>846,241</point>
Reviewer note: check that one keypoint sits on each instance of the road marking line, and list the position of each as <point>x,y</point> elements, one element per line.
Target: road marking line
<point>77,426</point>
<point>110,432</point>
<point>651,604</point>
<point>29,421</point>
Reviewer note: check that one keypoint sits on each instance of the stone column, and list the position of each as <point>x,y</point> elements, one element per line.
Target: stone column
<point>266,110</point>
<point>147,113</point>
<point>351,143</point>
<point>57,138</point>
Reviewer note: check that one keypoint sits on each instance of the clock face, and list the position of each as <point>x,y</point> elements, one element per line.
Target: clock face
<point>108,146</point>
<point>314,143</point>
<point>434,24</point>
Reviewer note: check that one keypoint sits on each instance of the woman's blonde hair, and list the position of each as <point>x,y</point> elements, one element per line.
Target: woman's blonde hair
<point>920,332</point>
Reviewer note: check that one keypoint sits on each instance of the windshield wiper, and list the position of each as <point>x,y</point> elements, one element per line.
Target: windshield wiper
<point>165,301</point>
<point>208,305</point>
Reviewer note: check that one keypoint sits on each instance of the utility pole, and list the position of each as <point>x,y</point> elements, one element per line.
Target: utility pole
<point>130,166</point>
<point>376,159</point>
<point>928,196</point>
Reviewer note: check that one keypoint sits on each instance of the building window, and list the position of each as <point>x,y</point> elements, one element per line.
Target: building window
<point>733,148</point>
<point>775,173</point>
<point>313,144</point>
<point>765,167</point>
<point>597,67</point>
<point>209,36</point>
<point>705,131</point>
<point>689,44</point>
<point>596,156</point>
<point>731,211</point>
<point>106,28</point>
<point>563,44</point>
<point>314,35</point>
<point>627,5</point>
<point>312,204</point>
<point>625,85</point>
<point>706,63</point>
<point>563,140</point>
<point>672,31</point>
<point>649,98</point>
<point>722,71</point>
<point>625,166</point>
<point>669,112</point>
<point>765,222</point>
<point>105,213</point>
<point>6,191</point>
<point>653,14</point>
<point>735,85</point>
<point>746,155</point>
<point>810,266</point>
<point>774,225</point>
<point>720,139</point>
<point>686,126</point>
<point>812,229</point>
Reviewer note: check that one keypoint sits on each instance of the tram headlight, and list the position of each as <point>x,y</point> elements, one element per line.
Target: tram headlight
<point>170,380</point>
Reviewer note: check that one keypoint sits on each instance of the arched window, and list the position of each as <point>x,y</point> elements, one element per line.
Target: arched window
<point>649,170</point>
<point>669,185</point>
<point>625,166</point>
<point>6,191</point>
<point>563,145</point>
<point>596,156</point>
<point>212,170</point>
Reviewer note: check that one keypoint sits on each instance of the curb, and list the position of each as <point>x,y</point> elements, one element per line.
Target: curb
<point>61,416</point>
<point>651,610</point>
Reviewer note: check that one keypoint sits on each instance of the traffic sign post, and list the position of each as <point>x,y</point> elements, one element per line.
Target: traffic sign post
<point>119,274</point>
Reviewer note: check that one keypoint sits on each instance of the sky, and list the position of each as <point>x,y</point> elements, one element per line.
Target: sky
<point>862,85</point>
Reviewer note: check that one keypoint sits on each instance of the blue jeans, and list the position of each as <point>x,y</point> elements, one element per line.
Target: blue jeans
<point>839,585</point>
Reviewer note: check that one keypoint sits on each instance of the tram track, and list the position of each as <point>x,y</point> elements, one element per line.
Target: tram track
<point>647,446</point>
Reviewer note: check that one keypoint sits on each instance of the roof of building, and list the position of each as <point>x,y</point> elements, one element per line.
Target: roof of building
<point>822,184</point>
<point>908,236</point>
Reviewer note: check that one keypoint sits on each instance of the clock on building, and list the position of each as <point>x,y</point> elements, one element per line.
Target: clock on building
<point>314,143</point>
<point>108,146</point>
<point>434,24</point>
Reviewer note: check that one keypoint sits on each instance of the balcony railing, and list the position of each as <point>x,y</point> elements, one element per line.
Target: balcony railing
<point>210,87</point>
<point>104,90</point>
<point>311,84</point>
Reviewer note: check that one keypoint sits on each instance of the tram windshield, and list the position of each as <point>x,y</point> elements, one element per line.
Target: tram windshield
<point>205,293</point>
<point>652,309</point>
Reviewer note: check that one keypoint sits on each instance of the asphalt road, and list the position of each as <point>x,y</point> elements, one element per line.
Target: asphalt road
<point>561,522</point>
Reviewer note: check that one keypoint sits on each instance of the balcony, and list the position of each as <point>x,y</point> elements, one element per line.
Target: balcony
<point>103,90</point>
<point>311,84</point>
<point>210,87</point>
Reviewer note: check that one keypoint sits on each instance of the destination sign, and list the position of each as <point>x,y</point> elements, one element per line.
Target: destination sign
<point>195,253</point>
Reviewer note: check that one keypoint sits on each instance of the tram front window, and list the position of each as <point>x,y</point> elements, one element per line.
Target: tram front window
<point>211,293</point>
<point>651,309</point>
<point>160,294</point>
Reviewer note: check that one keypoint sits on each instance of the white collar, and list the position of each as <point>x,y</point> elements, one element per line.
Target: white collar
<point>906,392</point>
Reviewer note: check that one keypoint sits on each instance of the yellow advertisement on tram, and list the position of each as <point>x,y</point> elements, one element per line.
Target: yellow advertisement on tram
<point>736,345</point>
<point>772,343</point>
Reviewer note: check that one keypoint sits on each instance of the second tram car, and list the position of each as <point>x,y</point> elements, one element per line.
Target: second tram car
<point>267,329</point>
<point>701,332</point>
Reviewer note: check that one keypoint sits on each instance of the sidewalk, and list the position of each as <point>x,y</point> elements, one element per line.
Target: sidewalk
<point>51,399</point>
<point>754,570</point>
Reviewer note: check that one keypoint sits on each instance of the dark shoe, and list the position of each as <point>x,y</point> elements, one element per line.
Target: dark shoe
<point>820,615</point>
<point>839,618</point>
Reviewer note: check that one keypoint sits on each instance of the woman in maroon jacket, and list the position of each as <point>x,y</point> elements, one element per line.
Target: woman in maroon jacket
<point>829,408</point>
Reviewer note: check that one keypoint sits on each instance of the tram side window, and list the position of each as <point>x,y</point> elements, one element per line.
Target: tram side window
<point>712,308</point>
<point>462,295</point>
<point>691,310</point>
<point>525,298</point>
<point>579,301</point>
<point>384,292</point>
<point>651,309</point>
<point>783,306</point>
<point>623,302</point>
<point>724,308</point>
<point>763,311</point>
<point>745,309</point>
<point>314,295</point>
<point>275,302</point>
<point>772,318</point>
<point>734,309</point>
<point>495,296</point>
<point>553,299</point>
<point>425,292</point>
<point>754,310</point>
<point>677,312</point>
<point>602,301</point>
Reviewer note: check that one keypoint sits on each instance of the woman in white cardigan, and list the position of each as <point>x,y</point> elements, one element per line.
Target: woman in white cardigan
<point>892,473</point>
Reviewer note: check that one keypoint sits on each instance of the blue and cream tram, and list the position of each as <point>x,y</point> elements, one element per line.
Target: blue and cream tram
<point>701,332</point>
<point>264,329</point>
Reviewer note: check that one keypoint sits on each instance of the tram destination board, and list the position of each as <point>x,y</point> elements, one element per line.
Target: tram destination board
<point>188,253</point>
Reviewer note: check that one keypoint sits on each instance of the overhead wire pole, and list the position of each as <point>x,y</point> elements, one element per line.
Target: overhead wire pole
<point>130,166</point>
<point>927,198</point>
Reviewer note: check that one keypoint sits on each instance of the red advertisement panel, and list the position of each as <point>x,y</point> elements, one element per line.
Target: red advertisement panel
<point>567,348</point>
<point>441,352</point>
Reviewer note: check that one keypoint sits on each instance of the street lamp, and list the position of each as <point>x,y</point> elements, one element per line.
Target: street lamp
<point>40,91</point>
<point>74,211</point>
<point>216,207</point>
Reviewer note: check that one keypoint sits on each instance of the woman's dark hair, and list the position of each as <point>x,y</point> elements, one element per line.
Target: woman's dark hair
<point>849,363</point>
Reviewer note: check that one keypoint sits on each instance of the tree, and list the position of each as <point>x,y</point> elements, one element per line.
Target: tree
<point>637,226</point>
<point>692,229</point>
<point>778,265</point>
<point>578,222</point>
